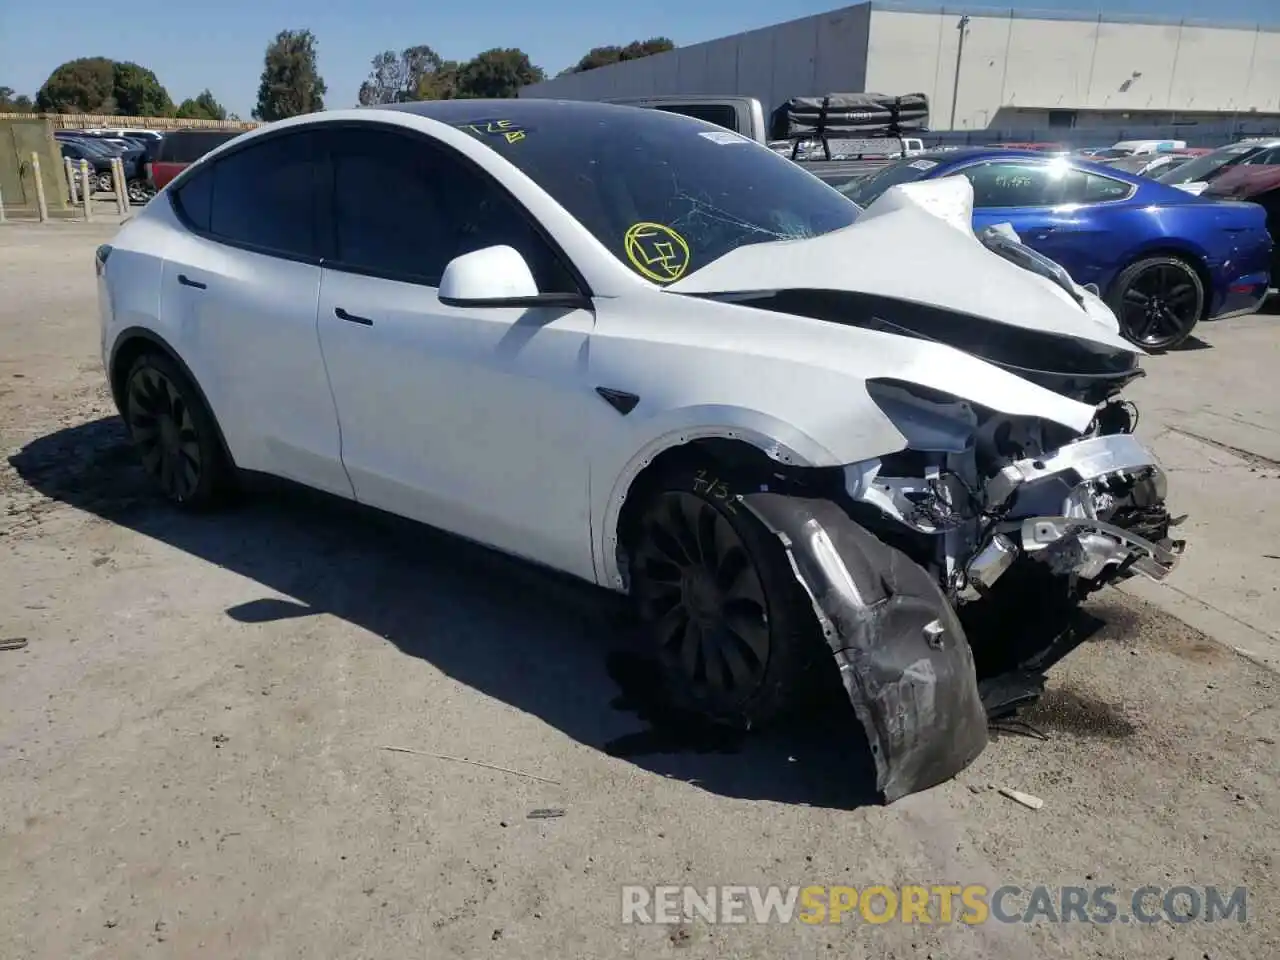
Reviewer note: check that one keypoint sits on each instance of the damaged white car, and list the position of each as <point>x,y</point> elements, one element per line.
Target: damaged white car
<point>647,352</point>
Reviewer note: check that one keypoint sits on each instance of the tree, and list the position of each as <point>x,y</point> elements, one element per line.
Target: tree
<point>138,92</point>
<point>439,84</point>
<point>397,78</point>
<point>202,107</point>
<point>14,104</point>
<point>86,85</point>
<point>291,84</point>
<point>100,85</point>
<point>497,73</point>
<point>635,50</point>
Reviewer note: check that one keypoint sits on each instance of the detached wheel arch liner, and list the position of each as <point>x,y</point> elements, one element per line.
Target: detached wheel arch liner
<point>131,344</point>
<point>904,660</point>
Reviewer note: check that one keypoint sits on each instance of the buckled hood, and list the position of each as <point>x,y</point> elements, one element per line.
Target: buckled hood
<point>915,243</point>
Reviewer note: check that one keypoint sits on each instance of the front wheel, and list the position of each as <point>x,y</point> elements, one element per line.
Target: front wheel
<point>732,627</point>
<point>1158,302</point>
<point>140,191</point>
<point>174,434</point>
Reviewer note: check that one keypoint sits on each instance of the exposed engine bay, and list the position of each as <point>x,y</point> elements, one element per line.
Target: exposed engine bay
<point>946,576</point>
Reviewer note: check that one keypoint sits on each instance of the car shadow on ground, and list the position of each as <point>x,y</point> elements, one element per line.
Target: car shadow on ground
<point>559,650</point>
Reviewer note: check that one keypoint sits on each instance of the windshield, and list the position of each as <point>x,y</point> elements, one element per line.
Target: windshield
<point>666,194</point>
<point>1127,164</point>
<point>864,190</point>
<point>1111,153</point>
<point>1201,167</point>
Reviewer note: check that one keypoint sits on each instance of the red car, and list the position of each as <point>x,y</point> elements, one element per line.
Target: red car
<point>179,149</point>
<point>1260,184</point>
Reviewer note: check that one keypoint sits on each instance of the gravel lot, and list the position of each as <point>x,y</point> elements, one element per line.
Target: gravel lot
<point>191,744</point>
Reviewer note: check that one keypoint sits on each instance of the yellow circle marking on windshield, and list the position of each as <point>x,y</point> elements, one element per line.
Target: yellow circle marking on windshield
<point>657,251</point>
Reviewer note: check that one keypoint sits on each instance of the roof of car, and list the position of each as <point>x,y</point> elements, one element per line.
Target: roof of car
<point>529,110</point>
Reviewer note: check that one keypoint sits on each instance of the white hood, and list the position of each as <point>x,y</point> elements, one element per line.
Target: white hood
<point>916,243</point>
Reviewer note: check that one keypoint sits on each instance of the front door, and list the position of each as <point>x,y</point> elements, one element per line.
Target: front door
<point>469,419</point>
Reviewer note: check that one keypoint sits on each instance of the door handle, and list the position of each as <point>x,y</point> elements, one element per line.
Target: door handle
<point>351,317</point>
<point>188,282</point>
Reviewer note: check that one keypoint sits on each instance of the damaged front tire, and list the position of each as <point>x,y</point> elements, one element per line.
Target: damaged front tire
<point>732,627</point>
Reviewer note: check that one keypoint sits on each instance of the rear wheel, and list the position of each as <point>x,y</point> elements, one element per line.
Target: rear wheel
<point>731,625</point>
<point>1158,301</point>
<point>174,434</point>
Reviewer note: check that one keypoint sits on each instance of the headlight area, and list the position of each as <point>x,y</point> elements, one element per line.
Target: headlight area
<point>1018,518</point>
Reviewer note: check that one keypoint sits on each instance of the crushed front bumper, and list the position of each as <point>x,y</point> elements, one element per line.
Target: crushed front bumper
<point>1093,511</point>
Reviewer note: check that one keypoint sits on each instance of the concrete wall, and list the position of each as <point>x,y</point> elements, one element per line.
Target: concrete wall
<point>19,139</point>
<point>1047,61</point>
<point>815,55</point>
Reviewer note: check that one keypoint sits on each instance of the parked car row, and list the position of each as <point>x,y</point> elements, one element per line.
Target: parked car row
<point>100,147</point>
<point>151,157</point>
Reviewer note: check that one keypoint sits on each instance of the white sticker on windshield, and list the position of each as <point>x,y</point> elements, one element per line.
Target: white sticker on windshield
<point>922,164</point>
<point>723,136</point>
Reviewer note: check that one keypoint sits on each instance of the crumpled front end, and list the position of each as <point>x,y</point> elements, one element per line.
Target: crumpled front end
<point>947,576</point>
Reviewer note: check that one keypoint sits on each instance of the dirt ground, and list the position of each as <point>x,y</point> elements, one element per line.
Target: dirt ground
<point>192,754</point>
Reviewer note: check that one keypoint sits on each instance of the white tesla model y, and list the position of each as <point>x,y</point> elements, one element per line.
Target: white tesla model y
<point>653,354</point>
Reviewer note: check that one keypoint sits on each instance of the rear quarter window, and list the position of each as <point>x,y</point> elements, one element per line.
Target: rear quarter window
<point>194,199</point>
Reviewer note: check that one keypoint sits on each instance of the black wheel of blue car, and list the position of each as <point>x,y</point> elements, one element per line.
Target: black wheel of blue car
<point>1158,302</point>
<point>174,433</point>
<point>721,604</point>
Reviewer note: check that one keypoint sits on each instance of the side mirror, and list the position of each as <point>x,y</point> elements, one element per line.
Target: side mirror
<point>498,276</point>
<point>494,273</point>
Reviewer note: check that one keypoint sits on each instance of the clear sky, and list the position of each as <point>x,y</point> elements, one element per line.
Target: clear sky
<point>219,43</point>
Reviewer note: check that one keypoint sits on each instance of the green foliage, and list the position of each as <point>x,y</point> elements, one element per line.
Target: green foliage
<point>86,85</point>
<point>138,92</point>
<point>202,107</point>
<point>497,73</point>
<point>635,50</point>
<point>417,73</point>
<point>103,86</point>
<point>291,85</point>
<point>9,103</point>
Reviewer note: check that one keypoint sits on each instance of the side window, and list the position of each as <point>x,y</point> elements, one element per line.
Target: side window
<point>1263,157</point>
<point>194,199</point>
<point>1005,184</point>
<point>264,196</point>
<point>404,208</point>
<point>1085,187</point>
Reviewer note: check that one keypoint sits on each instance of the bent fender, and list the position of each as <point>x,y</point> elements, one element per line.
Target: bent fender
<point>903,656</point>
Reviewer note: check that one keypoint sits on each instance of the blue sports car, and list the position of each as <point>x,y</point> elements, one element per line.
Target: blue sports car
<point>1163,259</point>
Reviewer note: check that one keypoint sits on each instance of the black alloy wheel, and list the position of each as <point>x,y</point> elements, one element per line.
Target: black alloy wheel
<point>701,591</point>
<point>1158,302</point>
<point>164,431</point>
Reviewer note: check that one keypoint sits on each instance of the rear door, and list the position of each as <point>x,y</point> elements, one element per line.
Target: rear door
<point>240,288</point>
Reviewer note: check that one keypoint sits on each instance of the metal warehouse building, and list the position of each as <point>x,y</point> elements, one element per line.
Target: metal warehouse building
<point>1009,69</point>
